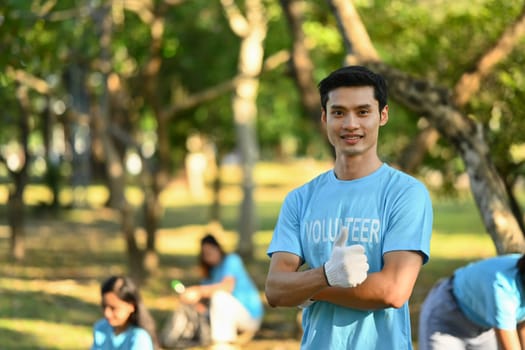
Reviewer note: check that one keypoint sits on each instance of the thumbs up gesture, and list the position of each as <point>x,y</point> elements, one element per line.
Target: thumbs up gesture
<point>348,266</point>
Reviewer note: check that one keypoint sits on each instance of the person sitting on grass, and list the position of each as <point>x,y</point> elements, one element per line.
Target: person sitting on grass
<point>127,324</point>
<point>226,294</point>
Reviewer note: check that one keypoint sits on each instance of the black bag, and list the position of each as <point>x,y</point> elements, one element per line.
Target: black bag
<point>185,328</point>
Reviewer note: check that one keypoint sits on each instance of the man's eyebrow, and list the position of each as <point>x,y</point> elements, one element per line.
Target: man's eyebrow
<point>366,105</point>
<point>337,107</point>
<point>362,106</point>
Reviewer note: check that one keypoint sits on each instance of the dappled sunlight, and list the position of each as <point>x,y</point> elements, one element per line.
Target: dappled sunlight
<point>186,239</point>
<point>4,194</point>
<point>34,195</point>
<point>5,231</point>
<point>272,180</point>
<point>87,291</point>
<point>50,335</point>
<point>461,246</point>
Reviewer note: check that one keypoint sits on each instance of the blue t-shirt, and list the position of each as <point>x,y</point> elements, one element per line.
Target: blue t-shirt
<point>245,290</point>
<point>385,211</point>
<point>490,292</point>
<point>133,338</point>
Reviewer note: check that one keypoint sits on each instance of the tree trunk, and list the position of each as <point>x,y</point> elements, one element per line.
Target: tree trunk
<point>15,204</point>
<point>15,218</point>
<point>252,31</point>
<point>412,156</point>
<point>155,179</point>
<point>302,66</point>
<point>79,132</point>
<point>114,162</point>
<point>52,176</point>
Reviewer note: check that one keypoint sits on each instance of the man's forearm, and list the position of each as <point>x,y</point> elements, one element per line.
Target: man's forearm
<point>293,288</point>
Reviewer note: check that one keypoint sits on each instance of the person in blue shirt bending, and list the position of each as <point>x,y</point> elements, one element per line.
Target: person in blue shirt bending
<point>127,324</point>
<point>362,229</point>
<point>482,306</point>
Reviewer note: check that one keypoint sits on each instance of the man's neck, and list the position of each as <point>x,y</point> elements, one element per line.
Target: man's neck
<point>351,168</point>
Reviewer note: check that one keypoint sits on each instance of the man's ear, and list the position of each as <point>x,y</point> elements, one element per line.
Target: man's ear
<point>323,115</point>
<point>383,118</point>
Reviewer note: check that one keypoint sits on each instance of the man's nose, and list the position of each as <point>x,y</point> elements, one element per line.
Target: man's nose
<point>350,121</point>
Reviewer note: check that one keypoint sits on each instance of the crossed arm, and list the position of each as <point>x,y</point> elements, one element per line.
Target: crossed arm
<point>390,287</point>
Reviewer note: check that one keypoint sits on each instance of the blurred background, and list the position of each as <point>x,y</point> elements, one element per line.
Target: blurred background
<point>130,128</point>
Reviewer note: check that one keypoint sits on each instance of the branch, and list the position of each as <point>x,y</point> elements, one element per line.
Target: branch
<point>73,13</point>
<point>26,79</point>
<point>199,98</point>
<point>469,82</point>
<point>143,9</point>
<point>238,23</point>
<point>354,32</point>
<point>272,62</point>
<point>277,59</point>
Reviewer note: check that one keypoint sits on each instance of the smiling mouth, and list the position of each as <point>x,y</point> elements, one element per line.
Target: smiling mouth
<point>351,137</point>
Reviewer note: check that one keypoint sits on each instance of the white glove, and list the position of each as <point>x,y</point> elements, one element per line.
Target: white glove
<point>347,266</point>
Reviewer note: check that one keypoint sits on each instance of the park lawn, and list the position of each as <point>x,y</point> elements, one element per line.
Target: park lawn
<point>51,299</point>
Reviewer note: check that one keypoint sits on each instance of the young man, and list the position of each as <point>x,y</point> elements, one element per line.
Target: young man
<point>363,230</point>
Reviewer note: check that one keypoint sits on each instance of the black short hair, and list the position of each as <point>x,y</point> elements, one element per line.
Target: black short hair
<point>354,76</point>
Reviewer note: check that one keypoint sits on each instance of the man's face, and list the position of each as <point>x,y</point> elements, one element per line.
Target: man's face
<point>352,120</point>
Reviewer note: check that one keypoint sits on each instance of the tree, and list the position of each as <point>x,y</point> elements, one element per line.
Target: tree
<point>251,28</point>
<point>442,107</point>
<point>15,203</point>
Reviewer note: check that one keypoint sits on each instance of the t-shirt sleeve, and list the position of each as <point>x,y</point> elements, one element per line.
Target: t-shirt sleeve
<point>410,223</point>
<point>286,236</point>
<point>505,302</point>
<point>233,266</point>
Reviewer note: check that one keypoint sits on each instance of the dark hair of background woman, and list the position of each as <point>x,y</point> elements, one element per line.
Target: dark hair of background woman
<point>209,239</point>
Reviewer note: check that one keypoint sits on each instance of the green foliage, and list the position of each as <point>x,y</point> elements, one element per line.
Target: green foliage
<point>436,40</point>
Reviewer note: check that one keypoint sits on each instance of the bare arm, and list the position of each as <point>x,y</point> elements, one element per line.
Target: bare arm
<point>226,285</point>
<point>286,286</point>
<point>194,294</point>
<point>521,334</point>
<point>508,340</point>
<point>390,287</point>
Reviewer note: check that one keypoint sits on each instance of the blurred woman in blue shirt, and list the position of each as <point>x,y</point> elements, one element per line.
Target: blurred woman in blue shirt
<point>127,324</point>
<point>235,305</point>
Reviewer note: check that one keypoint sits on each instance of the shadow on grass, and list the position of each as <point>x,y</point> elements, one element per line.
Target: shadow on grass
<point>200,215</point>
<point>19,340</point>
<point>31,305</point>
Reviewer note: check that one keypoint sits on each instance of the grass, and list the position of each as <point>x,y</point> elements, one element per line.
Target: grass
<point>51,299</point>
